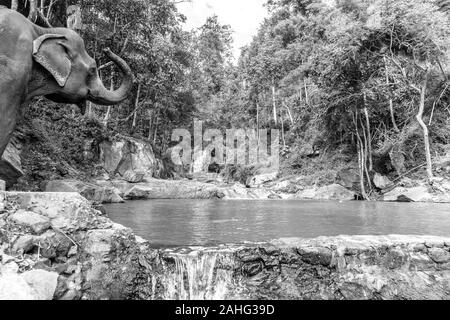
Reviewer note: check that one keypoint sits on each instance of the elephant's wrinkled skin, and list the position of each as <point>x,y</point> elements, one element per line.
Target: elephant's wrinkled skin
<point>37,61</point>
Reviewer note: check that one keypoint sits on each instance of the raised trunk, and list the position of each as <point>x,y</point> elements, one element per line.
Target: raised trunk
<point>100,95</point>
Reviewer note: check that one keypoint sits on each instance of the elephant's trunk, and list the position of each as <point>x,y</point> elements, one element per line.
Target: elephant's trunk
<point>100,95</point>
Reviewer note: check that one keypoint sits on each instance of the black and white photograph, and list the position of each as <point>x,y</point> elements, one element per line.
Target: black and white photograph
<point>225,155</point>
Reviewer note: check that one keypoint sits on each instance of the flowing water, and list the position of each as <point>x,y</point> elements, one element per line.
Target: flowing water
<point>177,223</point>
<point>196,277</point>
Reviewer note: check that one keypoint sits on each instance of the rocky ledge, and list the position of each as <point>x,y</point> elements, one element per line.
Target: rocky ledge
<point>56,246</point>
<point>338,268</point>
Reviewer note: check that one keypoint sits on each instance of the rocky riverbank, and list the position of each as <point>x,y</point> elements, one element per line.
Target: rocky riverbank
<point>124,168</point>
<point>118,190</point>
<point>57,246</point>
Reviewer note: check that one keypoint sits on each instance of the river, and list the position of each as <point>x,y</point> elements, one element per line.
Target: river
<point>172,223</point>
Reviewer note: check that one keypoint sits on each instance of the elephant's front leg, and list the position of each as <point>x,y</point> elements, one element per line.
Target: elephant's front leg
<point>13,81</point>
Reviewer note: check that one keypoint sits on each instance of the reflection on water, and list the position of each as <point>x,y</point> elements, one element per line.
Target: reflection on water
<point>169,223</point>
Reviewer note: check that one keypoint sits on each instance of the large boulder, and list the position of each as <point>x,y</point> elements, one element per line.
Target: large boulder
<point>14,287</point>
<point>331,192</point>
<point>238,191</point>
<point>133,176</point>
<point>260,179</point>
<point>130,158</point>
<point>168,189</point>
<point>348,178</point>
<point>11,164</point>
<point>416,194</point>
<point>30,221</point>
<point>42,282</point>
<point>381,182</point>
<point>91,191</point>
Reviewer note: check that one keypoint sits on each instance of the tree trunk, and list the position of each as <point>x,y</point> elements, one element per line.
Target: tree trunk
<point>282,128</point>
<point>136,104</point>
<point>361,157</point>
<point>289,113</point>
<point>156,129</point>
<point>257,121</point>
<point>108,112</point>
<point>306,91</point>
<point>275,118</point>
<point>391,103</point>
<point>14,5</point>
<point>369,134</point>
<point>150,122</point>
<point>426,138</point>
<point>32,14</point>
<point>89,113</point>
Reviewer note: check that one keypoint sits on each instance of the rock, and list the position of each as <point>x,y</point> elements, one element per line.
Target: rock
<point>316,255</point>
<point>24,244</point>
<point>14,287</point>
<point>2,185</point>
<point>439,255</point>
<point>348,178</point>
<point>261,179</point>
<point>133,176</point>
<point>252,268</point>
<point>335,192</point>
<point>403,198</point>
<point>43,282</point>
<point>6,258</point>
<point>126,154</point>
<point>166,189</point>
<point>9,267</point>
<point>30,220</point>
<point>68,212</point>
<point>99,243</point>
<point>381,182</point>
<point>54,245</point>
<point>91,191</point>
<point>332,192</point>
<point>103,265</point>
<point>10,163</point>
<point>415,194</point>
<point>236,191</point>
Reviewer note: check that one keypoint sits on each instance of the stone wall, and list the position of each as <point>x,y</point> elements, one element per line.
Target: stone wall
<point>338,268</point>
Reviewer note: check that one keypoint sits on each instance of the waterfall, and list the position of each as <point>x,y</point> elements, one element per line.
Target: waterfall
<point>196,277</point>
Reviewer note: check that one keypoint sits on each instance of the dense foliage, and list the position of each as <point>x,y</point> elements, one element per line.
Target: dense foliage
<point>348,79</point>
<point>348,82</point>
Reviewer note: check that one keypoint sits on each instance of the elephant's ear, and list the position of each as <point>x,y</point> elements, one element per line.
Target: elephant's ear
<point>49,52</point>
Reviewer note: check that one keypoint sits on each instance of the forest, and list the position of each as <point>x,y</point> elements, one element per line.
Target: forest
<point>348,83</point>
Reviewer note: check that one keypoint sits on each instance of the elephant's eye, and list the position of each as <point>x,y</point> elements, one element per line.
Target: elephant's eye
<point>92,71</point>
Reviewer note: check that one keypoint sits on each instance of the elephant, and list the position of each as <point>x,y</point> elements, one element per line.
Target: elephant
<point>49,62</point>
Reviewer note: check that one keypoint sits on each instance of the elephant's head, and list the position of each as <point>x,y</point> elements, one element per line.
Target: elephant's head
<point>75,75</point>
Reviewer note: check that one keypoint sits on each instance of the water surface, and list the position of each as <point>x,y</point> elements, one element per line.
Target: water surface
<point>170,223</point>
